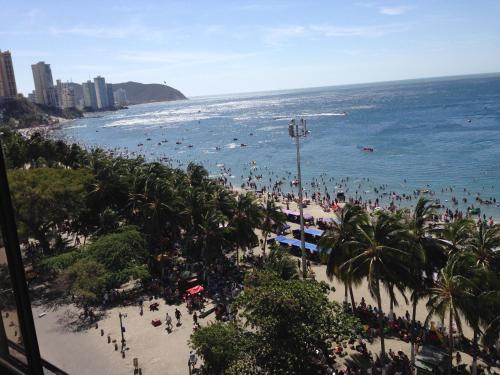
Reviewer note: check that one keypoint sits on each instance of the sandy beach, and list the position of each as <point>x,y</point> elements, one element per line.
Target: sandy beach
<point>87,352</point>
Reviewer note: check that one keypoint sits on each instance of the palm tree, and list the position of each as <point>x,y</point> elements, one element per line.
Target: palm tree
<point>223,200</point>
<point>456,234</point>
<point>449,295</point>
<point>210,238</point>
<point>483,241</point>
<point>425,256</point>
<point>281,263</point>
<point>484,302</point>
<point>480,309</point>
<point>271,217</point>
<point>246,217</point>
<point>337,239</point>
<point>379,255</point>
<point>153,204</point>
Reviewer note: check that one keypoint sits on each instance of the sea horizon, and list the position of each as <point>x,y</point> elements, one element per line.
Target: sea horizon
<point>370,83</point>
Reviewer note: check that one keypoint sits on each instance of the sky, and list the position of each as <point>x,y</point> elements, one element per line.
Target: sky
<point>219,46</point>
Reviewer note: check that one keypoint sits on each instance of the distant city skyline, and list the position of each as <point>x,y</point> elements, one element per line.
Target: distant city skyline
<point>228,47</point>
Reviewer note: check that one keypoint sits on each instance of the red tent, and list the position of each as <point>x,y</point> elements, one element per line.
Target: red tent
<point>195,290</point>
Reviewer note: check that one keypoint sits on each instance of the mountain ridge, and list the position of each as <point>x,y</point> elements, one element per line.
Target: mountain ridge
<point>139,93</point>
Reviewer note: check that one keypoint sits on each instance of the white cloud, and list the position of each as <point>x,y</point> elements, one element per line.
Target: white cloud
<point>394,11</point>
<point>277,36</point>
<point>361,31</point>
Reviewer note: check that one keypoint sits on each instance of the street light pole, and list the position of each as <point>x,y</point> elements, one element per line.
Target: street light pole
<point>122,329</point>
<point>298,129</point>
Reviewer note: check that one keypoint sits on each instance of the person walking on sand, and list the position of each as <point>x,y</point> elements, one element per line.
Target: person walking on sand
<point>192,359</point>
<point>168,322</point>
<point>178,317</point>
<point>195,318</point>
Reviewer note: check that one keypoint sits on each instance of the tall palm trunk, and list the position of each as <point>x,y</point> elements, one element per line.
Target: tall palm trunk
<point>413,327</point>
<point>380,322</point>
<point>264,234</point>
<point>352,296</point>
<point>474,352</point>
<point>346,291</point>
<point>450,342</point>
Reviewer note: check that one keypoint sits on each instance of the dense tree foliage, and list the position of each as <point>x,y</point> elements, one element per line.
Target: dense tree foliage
<point>282,327</point>
<point>114,258</point>
<point>170,206</point>
<point>47,199</point>
<point>220,344</point>
<point>455,265</point>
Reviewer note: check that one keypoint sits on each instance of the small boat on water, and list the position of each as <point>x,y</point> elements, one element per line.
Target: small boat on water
<point>474,211</point>
<point>423,191</point>
<point>140,145</point>
<point>178,142</point>
<point>243,145</point>
<point>368,149</point>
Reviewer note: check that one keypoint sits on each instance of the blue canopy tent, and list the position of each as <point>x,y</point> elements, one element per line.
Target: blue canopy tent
<point>295,245</point>
<point>310,234</point>
<point>314,232</point>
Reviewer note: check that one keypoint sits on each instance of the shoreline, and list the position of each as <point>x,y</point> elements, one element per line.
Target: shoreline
<point>360,189</point>
<point>44,129</point>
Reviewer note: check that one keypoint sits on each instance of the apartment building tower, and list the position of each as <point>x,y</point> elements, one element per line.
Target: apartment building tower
<point>8,86</point>
<point>89,95</point>
<point>101,92</point>
<point>45,92</point>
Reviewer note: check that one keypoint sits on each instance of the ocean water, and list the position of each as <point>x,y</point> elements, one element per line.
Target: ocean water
<point>437,134</point>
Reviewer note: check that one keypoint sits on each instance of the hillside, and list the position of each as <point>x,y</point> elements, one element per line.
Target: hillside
<point>145,93</point>
<point>21,113</point>
<point>138,93</point>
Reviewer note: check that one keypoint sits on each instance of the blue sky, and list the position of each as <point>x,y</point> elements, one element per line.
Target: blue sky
<point>212,47</point>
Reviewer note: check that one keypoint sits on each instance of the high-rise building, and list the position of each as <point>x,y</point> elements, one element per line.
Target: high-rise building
<point>101,92</point>
<point>45,93</point>
<point>7,79</point>
<point>59,92</point>
<point>67,96</point>
<point>121,97</point>
<point>31,97</point>
<point>89,96</point>
<point>111,97</point>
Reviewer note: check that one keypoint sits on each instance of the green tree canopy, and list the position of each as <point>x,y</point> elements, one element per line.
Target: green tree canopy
<point>46,198</point>
<point>293,321</point>
<point>220,344</point>
<point>86,279</point>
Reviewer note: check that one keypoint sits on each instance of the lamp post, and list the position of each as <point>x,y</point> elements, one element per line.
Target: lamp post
<point>122,328</point>
<point>298,129</point>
